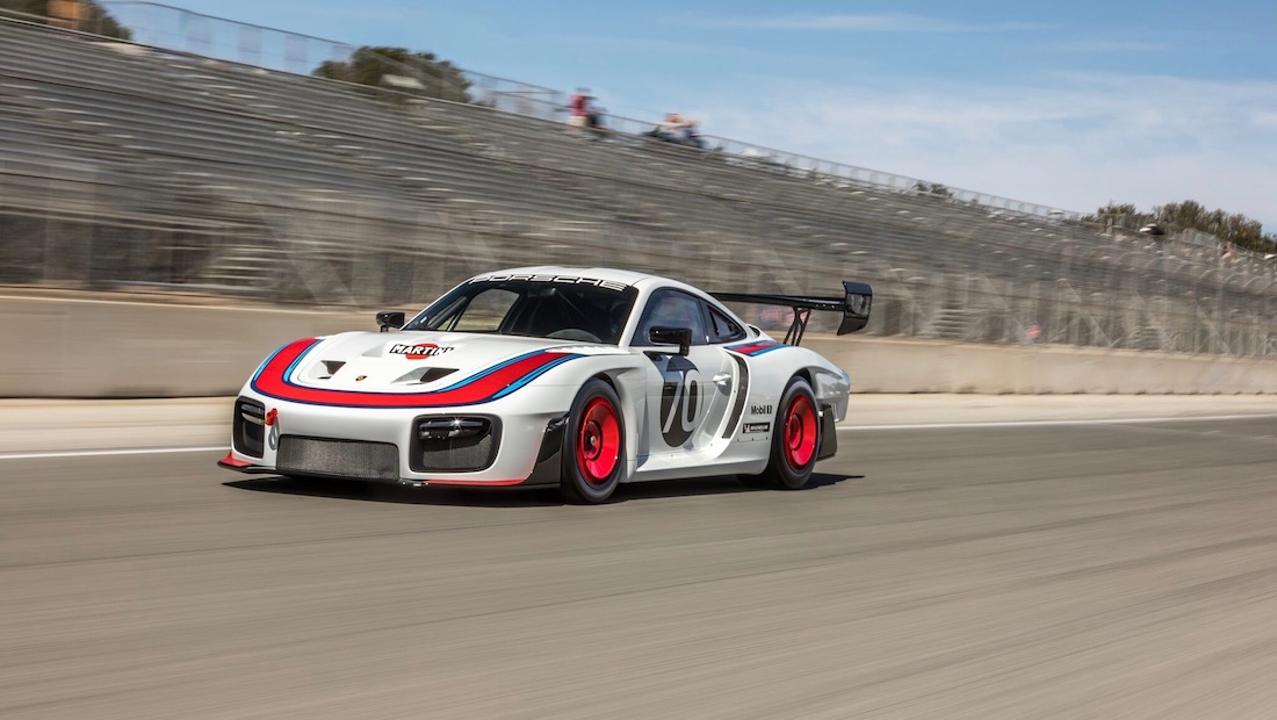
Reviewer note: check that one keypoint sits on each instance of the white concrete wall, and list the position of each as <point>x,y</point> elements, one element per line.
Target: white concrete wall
<point>57,347</point>
<point>81,347</point>
<point>890,365</point>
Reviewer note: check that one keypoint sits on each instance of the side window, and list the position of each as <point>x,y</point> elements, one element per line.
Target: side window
<point>672,308</point>
<point>722,328</point>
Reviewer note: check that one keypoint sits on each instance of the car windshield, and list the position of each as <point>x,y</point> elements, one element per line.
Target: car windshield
<point>558,308</point>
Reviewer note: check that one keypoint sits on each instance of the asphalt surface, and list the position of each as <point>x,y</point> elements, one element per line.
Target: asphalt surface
<point>1071,571</point>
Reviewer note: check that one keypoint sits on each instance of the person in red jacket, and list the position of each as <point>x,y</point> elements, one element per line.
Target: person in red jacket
<point>579,108</point>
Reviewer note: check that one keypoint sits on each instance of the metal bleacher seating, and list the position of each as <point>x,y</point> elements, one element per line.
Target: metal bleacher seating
<point>126,166</point>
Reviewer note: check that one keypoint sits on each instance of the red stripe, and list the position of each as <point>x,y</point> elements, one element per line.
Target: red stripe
<point>271,382</point>
<point>752,347</point>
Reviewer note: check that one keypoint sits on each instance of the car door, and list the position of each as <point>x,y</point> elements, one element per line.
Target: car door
<point>688,396</point>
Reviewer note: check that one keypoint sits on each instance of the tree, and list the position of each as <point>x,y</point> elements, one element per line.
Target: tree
<point>1230,228</point>
<point>420,73</point>
<point>93,17</point>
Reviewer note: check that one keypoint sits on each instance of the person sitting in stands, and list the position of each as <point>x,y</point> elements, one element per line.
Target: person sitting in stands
<point>670,129</point>
<point>692,136</point>
<point>594,120</point>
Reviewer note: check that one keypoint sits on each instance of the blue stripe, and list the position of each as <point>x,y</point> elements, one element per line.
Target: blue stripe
<point>535,374</point>
<point>765,350</point>
<point>258,372</point>
<point>489,371</point>
<point>755,353</point>
<point>288,371</point>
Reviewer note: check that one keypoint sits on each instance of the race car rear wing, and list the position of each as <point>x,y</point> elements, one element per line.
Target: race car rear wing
<point>854,306</point>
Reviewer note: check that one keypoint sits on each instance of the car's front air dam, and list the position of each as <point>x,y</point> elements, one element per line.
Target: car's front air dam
<point>230,462</point>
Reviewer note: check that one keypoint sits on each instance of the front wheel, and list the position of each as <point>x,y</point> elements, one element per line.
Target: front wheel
<point>593,445</point>
<point>795,438</point>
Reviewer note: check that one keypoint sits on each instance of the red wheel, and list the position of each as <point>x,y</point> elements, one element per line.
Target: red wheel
<point>795,440</point>
<point>593,445</point>
<point>800,434</point>
<point>598,445</point>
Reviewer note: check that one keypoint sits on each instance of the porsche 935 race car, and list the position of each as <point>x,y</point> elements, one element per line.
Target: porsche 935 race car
<point>580,378</point>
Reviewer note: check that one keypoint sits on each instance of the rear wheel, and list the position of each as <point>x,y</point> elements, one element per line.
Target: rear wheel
<point>795,439</point>
<point>593,445</point>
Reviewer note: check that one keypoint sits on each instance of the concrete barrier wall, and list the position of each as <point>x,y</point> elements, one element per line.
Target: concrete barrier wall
<point>60,347</point>
<point>57,347</point>
<point>894,366</point>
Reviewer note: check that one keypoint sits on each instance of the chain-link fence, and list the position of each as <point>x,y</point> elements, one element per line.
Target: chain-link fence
<point>126,168</point>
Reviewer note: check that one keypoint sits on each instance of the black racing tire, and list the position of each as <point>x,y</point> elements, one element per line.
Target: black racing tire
<point>795,439</point>
<point>593,445</point>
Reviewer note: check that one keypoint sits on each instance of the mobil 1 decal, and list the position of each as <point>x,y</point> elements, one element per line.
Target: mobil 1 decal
<point>680,401</point>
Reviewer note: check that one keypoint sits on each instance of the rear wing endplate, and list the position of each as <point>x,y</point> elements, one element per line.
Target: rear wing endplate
<point>854,305</point>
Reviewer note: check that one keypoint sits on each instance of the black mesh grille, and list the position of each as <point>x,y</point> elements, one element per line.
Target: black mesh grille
<point>435,449</point>
<point>339,458</point>
<point>249,427</point>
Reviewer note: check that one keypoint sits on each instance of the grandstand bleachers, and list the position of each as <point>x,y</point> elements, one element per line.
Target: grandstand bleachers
<point>123,166</point>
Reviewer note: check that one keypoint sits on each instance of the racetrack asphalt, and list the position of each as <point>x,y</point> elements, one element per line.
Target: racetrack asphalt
<point>1070,571</point>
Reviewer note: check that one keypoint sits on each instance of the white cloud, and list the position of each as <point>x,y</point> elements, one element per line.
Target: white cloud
<point>1075,141</point>
<point>1106,45</point>
<point>895,22</point>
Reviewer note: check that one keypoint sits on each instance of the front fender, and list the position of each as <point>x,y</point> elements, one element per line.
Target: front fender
<point>624,371</point>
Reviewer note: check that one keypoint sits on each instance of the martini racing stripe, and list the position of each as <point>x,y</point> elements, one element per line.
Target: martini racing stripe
<point>756,347</point>
<point>274,380</point>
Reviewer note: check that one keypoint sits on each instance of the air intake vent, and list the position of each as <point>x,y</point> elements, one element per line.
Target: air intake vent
<point>330,368</point>
<point>454,443</point>
<point>432,374</point>
<point>422,376</point>
<point>249,427</point>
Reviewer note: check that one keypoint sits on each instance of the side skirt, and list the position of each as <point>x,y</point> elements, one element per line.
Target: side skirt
<point>828,433</point>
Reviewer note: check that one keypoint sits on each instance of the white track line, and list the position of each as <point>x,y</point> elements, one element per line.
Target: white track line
<point>101,453</point>
<point>1032,423</point>
<point>917,426</point>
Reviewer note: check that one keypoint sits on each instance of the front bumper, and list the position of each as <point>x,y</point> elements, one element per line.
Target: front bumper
<point>526,453</point>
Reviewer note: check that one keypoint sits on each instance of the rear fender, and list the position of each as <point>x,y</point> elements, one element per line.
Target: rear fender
<point>771,372</point>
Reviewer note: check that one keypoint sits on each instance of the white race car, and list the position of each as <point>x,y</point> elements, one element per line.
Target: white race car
<point>580,378</point>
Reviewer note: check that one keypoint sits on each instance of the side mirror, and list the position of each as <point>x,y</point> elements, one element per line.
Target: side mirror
<point>388,319</point>
<point>682,337</point>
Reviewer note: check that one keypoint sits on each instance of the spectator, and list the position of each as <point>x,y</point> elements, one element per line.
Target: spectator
<point>595,118</point>
<point>579,108</point>
<point>1032,332</point>
<point>669,129</point>
<point>677,129</point>
<point>692,136</point>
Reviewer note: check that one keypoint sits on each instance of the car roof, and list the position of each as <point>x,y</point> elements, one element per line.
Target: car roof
<point>629,277</point>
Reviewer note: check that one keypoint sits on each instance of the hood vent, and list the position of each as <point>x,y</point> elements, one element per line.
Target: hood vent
<point>330,368</point>
<point>424,376</point>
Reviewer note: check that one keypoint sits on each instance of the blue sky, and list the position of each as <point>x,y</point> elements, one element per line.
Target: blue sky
<point>1070,104</point>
